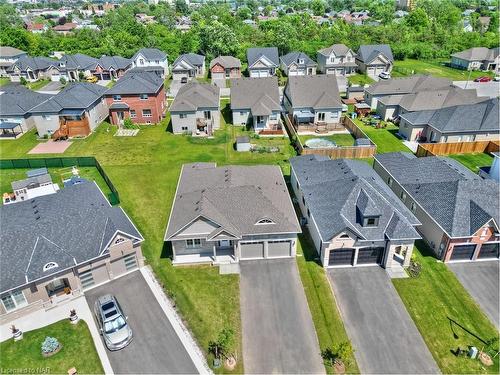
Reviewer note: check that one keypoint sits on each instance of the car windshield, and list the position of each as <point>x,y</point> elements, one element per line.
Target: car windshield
<point>114,325</point>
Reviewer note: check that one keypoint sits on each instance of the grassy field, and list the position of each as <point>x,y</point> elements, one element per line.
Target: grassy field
<point>385,138</point>
<point>474,161</point>
<point>77,351</point>
<point>339,139</point>
<point>4,81</point>
<point>359,79</point>
<point>326,317</point>
<point>445,315</point>
<point>435,68</point>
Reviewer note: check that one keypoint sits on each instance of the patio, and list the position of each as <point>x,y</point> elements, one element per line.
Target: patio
<point>50,147</point>
<point>9,130</point>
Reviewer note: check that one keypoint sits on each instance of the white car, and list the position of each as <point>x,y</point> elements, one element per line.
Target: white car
<point>385,75</point>
<point>496,79</point>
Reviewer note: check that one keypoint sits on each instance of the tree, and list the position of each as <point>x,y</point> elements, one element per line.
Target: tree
<point>181,7</point>
<point>318,7</point>
<point>217,39</point>
<point>417,19</point>
<point>223,346</point>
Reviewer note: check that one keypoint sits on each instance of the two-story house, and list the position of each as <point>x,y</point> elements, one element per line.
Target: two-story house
<point>151,57</point>
<point>337,59</point>
<point>373,59</point>
<point>298,64</point>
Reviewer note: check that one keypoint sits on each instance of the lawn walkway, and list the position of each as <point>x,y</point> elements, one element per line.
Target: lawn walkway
<point>446,315</point>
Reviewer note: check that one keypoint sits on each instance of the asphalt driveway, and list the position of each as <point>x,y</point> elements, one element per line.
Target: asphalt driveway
<point>385,339</point>
<point>155,348</point>
<point>481,279</point>
<point>278,331</point>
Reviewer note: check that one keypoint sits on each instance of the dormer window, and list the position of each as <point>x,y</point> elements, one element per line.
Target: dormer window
<point>343,236</point>
<point>264,221</point>
<point>301,61</point>
<point>119,240</point>
<point>370,221</point>
<point>49,266</point>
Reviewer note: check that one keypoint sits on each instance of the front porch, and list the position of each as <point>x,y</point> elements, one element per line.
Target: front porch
<point>220,255</point>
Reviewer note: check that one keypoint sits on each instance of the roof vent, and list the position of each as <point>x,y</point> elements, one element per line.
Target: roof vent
<point>37,217</point>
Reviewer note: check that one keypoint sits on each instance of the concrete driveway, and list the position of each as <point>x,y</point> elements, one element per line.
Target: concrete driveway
<point>156,348</point>
<point>481,279</point>
<point>52,87</point>
<point>278,332</point>
<point>174,88</point>
<point>385,339</point>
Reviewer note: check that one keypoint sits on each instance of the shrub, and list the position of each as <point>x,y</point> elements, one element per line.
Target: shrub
<point>62,80</point>
<point>128,124</point>
<point>49,345</point>
<point>414,268</point>
<point>23,81</point>
<point>224,345</point>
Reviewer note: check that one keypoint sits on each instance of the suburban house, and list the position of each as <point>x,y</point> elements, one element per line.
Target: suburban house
<point>8,56</point>
<point>65,29</point>
<point>460,123</point>
<point>149,57</point>
<point>337,59</point>
<point>37,28</point>
<point>34,68</point>
<point>313,102</point>
<point>256,103</point>
<point>403,85</point>
<point>137,96</point>
<point>196,109</point>
<point>75,111</point>
<point>262,61</point>
<point>78,65</point>
<point>56,246</point>
<point>111,67</point>
<point>374,59</point>
<point>231,213</point>
<point>189,65</point>
<point>353,218</point>
<point>225,67</point>
<point>477,58</point>
<point>38,183</point>
<point>16,103</point>
<point>392,106</point>
<point>459,210</point>
<point>298,64</point>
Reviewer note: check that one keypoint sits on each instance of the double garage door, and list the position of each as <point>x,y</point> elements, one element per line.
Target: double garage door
<point>275,249</point>
<point>366,255</point>
<point>220,75</point>
<point>375,71</point>
<point>465,252</point>
<point>259,73</point>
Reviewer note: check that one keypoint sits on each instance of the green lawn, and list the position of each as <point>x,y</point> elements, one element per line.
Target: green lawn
<point>339,139</point>
<point>435,68</point>
<point>445,314</point>
<point>474,161</point>
<point>77,351</point>
<point>385,138</point>
<point>4,81</point>
<point>359,79</point>
<point>326,317</point>
<point>38,84</point>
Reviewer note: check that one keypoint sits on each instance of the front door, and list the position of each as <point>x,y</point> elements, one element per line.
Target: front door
<point>224,243</point>
<point>260,122</point>
<point>207,115</point>
<point>321,116</point>
<point>399,255</point>
<point>120,116</point>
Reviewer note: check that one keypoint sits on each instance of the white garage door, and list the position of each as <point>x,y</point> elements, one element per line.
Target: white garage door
<point>178,76</point>
<point>278,249</point>
<point>259,73</point>
<point>218,76</point>
<point>55,77</point>
<point>371,71</point>
<point>254,250</point>
<point>330,71</point>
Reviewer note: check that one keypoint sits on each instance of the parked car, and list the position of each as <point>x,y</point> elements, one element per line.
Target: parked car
<point>385,75</point>
<point>496,79</point>
<point>112,322</point>
<point>184,80</point>
<point>483,79</point>
<point>92,79</point>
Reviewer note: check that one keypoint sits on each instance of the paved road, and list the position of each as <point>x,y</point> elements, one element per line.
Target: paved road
<point>155,348</point>
<point>489,89</point>
<point>385,339</point>
<point>278,332</point>
<point>481,279</point>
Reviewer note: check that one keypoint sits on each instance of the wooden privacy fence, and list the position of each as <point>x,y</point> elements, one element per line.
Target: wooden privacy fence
<point>438,149</point>
<point>342,152</point>
<point>61,162</point>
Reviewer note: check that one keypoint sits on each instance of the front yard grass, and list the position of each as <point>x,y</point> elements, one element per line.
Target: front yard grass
<point>77,351</point>
<point>474,161</point>
<point>37,85</point>
<point>326,317</point>
<point>385,138</point>
<point>360,79</point>
<point>339,139</point>
<point>4,81</point>
<point>446,315</point>
<point>434,67</point>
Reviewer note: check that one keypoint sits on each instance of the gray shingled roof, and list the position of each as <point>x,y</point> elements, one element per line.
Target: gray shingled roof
<point>191,58</point>
<point>137,83</point>
<point>408,85</point>
<point>79,61</point>
<point>478,54</point>
<point>234,197</point>
<point>479,117</point>
<point>270,53</point>
<point>367,53</point>
<point>318,91</point>
<point>33,63</point>
<point>337,49</point>
<point>7,52</point>
<point>226,62</point>
<point>194,95</point>
<point>36,180</point>
<point>338,191</point>
<point>295,57</point>
<point>69,227</point>
<point>457,199</point>
<point>79,95</point>
<point>151,54</point>
<point>260,95</point>
<point>115,62</point>
<point>17,100</point>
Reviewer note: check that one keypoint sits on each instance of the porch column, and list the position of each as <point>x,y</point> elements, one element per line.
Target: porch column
<point>356,252</point>
<point>266,249</point>
<point>215,253</point>
<point>476,251</point>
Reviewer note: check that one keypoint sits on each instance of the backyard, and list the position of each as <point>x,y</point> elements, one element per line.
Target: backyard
<point>446,315</point>
<point>436,68</point>
<point>386,138</point>
<point>77,351</point>
<point>339,139</point>
<point>474,161</point>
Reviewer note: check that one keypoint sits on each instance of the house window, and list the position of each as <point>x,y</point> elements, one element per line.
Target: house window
<point>192,244</point>
<point>144,96</point>
<point>146,113</point>
<point>14,300</point>
<point>345,235</point>
<point>335,115</point>
<point>304,201</point>
<point>242,113</point>
<point>403,196</point>
<point>308,213</point>
<point>273,117</point>
<point>45,117</point>
<point>132,113</point>
<point>141,61</point>
<point>50,265</point>
<point>413,207</point>
<point>389,181</point>
<point>321,116</point>
<point>117,98</point>
<point>264,221</point>
<point>182,115</point>
<point>370,221</point>
<point>184,128</point>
